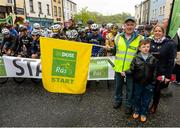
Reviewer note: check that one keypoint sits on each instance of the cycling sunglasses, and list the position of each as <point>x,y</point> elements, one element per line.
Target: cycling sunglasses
<point>94,30</point>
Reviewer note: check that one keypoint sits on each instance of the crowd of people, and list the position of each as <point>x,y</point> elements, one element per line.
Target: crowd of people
<point>144,56</point>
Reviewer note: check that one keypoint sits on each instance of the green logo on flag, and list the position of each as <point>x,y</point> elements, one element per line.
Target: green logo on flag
<point>99,68</point>
<point>64,63</point>
<point>2,68</point>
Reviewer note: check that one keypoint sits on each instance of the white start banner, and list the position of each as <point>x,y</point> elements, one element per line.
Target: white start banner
<point>100,68</point>
<point>20,67</point>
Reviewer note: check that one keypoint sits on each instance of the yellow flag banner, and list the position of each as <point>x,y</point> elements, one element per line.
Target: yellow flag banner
<point>64,65</point>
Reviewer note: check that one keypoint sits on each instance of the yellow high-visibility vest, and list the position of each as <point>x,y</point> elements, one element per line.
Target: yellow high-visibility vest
<point>124,53</point>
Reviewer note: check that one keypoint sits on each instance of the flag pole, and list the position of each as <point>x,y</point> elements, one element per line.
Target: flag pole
<point>97,45</point>
<point>170,17</point>
<point>101,46</point>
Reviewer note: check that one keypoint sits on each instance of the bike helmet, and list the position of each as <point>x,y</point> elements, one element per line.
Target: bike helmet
<point>36,25</point>
<point>22,28</point>
<point>56,27</point>
<point>94,27</point>
<point>90,22</point>
<point>79,23</point>
<point>109,25</point>
<point>73,34</point>
<point>5,31</point>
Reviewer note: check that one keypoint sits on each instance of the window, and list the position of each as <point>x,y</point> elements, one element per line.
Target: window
<point>40,7</point>
<point>74,8</point>
<point>59,11</point>
<point>160,13</point>
<point>48,11</point>
<point>31,6</point>
<point>54,0</point>
<point>55,11</point>
<point>9,1</point>
<point>163,10</point>
<point>59,1</point>
<point>71,7</point>
<point>68,16</point>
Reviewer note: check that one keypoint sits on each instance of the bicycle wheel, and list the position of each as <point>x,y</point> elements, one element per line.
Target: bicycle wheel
<point>19,80</point>
<point>36,81</point>
<point>3,80</point>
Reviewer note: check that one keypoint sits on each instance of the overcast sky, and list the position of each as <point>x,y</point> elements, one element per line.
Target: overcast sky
<point>108,7</point>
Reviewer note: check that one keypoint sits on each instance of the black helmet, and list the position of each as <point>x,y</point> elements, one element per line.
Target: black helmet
<point>22,28</point>
<point>90,22</point>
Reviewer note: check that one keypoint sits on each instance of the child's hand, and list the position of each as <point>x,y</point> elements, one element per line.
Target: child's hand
<point>167,80</point>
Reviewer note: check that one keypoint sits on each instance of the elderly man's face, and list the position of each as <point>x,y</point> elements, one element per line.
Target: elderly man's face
<point>165,23</point>
<point>129,27</point>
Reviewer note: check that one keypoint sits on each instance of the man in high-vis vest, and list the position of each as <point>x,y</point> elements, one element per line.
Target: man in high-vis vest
<point>126,46</point>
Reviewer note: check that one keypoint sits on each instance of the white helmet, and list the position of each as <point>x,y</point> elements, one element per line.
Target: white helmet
<point>5,31</point>
<point>36,25</point>
<point>94,26</point>
<point>73,34</point>
<point>56,27</point>
<point>109,25</point>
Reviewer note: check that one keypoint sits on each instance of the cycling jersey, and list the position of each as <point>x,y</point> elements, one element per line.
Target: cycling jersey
<point>24,46</point>
<point>9,43</point>
<point>35,47</point>
<point>95,39</point>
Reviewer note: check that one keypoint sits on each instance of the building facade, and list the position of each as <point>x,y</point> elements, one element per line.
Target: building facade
<point>19,10</point>
<point>70,9</point>
<point>57,11</point>
<point>168,8</point>
<point>6,8</point>
<point>39,11</point>
<point>138,13</point>
<point>142,12</point>
<point>14,8</point>
<point>157,11</point>
<point>145,12</point>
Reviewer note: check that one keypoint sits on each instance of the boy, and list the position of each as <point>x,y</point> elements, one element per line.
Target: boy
<point>142,69</point>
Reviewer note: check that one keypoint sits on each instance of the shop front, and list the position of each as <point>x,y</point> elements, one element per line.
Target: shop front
<point>43,21</point>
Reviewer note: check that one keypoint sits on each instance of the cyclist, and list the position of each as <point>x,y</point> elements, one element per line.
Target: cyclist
<point>95,38</point>
<point>12,30</point>
<point>24,46</point>
<point>9,43</point>
<point>35,47</point>
<point>110,38</point>
<point>57,32</point>
<point>90,22</point>
<point>29,27</point>
<point>83,35</point>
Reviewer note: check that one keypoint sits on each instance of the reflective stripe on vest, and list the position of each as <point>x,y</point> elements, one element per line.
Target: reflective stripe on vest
<point>124,54</point>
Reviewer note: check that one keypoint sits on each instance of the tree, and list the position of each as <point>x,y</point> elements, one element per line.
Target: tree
<point>84,15</point>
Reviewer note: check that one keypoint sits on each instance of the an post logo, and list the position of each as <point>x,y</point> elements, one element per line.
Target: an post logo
<point>64,65</point>
<point>99,68</point>
<point>2,68</point>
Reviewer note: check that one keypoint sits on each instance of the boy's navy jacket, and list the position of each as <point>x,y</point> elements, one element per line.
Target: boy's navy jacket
<point>143,71</point>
